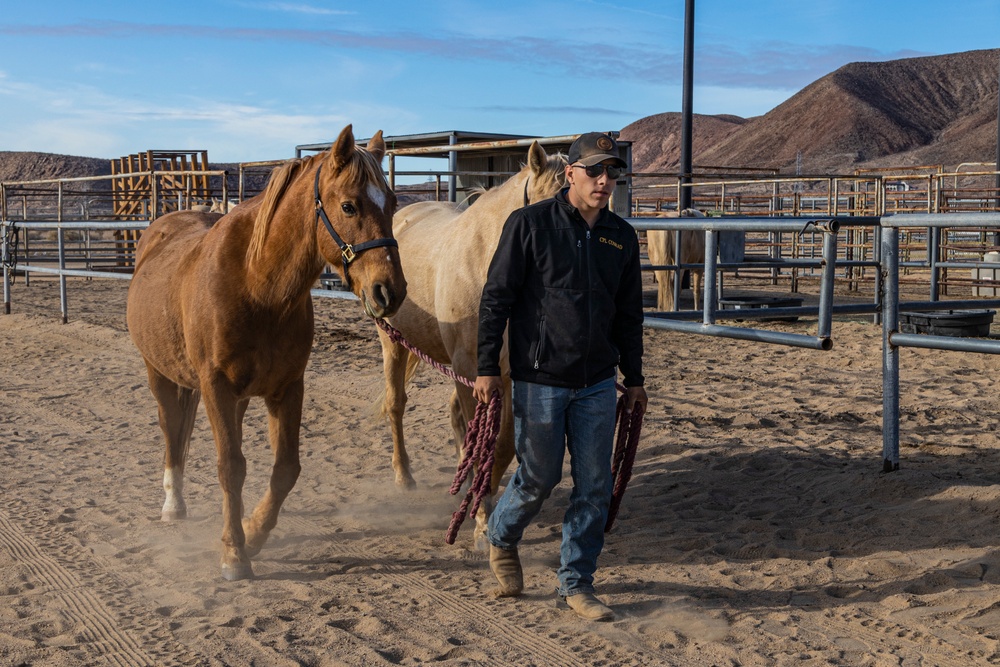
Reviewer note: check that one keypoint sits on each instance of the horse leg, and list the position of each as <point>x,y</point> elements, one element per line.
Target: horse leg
<point>225,413</point>
<point>284,420</point>
<point>696,288</point>
<point>394,363</point>
<point>177,408</point>
<point>664,290</point>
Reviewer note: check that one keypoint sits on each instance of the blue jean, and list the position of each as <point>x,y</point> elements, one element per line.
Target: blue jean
<point>547,422</point>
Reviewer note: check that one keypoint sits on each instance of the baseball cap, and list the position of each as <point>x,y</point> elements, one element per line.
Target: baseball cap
<point>594,147</point>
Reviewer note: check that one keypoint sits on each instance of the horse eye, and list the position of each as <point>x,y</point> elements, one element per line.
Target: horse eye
<point>348,208</point>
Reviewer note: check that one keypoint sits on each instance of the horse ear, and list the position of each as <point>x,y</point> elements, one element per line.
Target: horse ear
<point>343,148</point>
<point>376,146</point>
<point>537,158</point>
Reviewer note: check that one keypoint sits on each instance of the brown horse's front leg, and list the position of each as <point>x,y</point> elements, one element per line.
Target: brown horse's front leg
<point>225,412</point>
<point>284,420</point>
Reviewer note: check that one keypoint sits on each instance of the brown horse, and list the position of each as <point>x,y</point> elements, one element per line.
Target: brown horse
<point>220,308</point>
<point>446,251</point>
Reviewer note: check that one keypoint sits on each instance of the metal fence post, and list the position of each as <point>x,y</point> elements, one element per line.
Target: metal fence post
<point>890,353</point>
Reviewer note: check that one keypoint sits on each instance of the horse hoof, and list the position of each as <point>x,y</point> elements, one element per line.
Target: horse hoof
<point>480,542</point>
<point>253,549</point>
<point>173,515</point>
<point>237,571</point>
<point>406,483</point>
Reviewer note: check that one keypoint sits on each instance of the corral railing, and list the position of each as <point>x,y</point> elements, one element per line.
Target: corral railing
<point>889,229</point>
<point>873,192</point>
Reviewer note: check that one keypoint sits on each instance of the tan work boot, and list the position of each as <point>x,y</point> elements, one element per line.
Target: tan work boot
<point>587,606</point>
<point>506,568</point>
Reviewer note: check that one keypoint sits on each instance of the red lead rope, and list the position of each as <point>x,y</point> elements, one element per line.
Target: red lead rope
<point>629,427</point>
<point>480,444</point>
<point>478,447</point>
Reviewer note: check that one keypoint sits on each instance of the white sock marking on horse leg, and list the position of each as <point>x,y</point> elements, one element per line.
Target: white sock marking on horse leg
<point>173,486</point>
<point>376,195</point>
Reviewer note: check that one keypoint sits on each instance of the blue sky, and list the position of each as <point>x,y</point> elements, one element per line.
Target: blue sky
<point>249,79</point>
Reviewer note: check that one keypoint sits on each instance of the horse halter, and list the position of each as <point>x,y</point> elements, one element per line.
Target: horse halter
<point>348,252</point>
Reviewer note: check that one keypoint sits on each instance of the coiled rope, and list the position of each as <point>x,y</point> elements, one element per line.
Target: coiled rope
<point>628,429</point>
<point>481,436</point>
<point>479,445</point>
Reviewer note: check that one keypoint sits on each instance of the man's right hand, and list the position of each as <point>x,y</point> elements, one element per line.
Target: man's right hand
<point>485,386</point>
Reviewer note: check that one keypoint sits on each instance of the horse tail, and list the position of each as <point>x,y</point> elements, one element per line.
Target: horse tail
<point>412,365</point>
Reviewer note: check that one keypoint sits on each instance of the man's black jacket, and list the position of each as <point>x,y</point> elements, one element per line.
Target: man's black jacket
<point>572,295</point>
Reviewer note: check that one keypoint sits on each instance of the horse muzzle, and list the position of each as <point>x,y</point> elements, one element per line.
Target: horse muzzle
<point>382,300</point>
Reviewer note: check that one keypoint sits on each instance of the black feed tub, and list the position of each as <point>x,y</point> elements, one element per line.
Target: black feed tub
<point>756,302</point>
<point>960,323</point>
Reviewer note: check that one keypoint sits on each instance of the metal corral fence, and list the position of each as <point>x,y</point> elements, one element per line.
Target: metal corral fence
<point>871,192</point>
<point>889,230</point>
<point>877,231</point>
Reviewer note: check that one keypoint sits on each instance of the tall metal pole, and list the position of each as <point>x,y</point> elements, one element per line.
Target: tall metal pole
<point>996,234</point>
<point>685,171</point>
<point>453,168</point>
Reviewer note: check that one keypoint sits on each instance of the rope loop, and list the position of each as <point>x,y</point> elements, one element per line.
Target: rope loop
<point>627,432</point>
<point>478,449</point>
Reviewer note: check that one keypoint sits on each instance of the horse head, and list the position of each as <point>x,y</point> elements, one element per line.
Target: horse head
<point>354,209</point>
<point>546,174</point>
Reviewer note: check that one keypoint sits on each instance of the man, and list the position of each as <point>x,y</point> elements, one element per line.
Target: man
<point>566,278</point>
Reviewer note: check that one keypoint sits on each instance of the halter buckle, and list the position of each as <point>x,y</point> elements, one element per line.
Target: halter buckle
<point>348,253</point>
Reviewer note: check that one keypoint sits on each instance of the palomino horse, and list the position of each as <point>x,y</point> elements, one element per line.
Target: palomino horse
<point>446,250</point>
<point>220,308</point>
<point>660,249</point>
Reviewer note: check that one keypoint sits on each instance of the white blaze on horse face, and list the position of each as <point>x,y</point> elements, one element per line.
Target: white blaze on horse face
<point>376,195</point>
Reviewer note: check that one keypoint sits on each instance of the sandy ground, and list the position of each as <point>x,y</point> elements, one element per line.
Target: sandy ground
<point>758,528</point>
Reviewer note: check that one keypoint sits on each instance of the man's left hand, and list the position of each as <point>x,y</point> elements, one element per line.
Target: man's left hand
<point>635,396</point>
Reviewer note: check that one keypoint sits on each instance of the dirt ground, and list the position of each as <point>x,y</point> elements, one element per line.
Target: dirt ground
<point>758,528</point>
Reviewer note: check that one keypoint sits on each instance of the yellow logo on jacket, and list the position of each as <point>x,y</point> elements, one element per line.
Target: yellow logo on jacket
<point>610,242</point>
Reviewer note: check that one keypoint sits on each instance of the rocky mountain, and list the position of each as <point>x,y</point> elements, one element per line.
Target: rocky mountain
<point>913,111</point>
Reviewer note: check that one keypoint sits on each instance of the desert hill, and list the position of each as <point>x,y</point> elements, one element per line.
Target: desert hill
<point>913,111</point>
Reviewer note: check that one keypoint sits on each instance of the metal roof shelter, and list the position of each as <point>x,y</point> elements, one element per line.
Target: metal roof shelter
<point>481,159</point>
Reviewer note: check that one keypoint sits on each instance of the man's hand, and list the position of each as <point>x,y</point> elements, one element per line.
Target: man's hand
<point>485,386</point>
<point>634,396</point>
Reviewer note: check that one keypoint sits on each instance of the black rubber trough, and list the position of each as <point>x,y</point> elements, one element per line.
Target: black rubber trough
<point>757,302</point>
<point>959,323</point>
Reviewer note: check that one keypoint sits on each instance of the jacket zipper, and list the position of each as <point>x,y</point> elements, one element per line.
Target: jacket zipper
<point>541,334</point>
<point>590,312</point>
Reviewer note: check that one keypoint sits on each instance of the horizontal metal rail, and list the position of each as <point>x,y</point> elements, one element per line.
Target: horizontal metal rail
<point>741,333</point>
<point>893,339</point>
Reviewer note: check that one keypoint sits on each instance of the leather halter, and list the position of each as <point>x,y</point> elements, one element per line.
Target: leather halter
<point>348,252</point>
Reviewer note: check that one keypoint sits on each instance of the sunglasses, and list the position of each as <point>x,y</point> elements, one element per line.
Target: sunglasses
<point>596,170</point>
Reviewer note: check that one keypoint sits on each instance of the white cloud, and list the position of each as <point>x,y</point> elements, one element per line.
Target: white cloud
<point>81,120</point>
<point>296,8</point>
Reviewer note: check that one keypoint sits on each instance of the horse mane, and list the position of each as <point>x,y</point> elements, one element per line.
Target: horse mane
<point>554,171</point>
<point>362,165</point>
